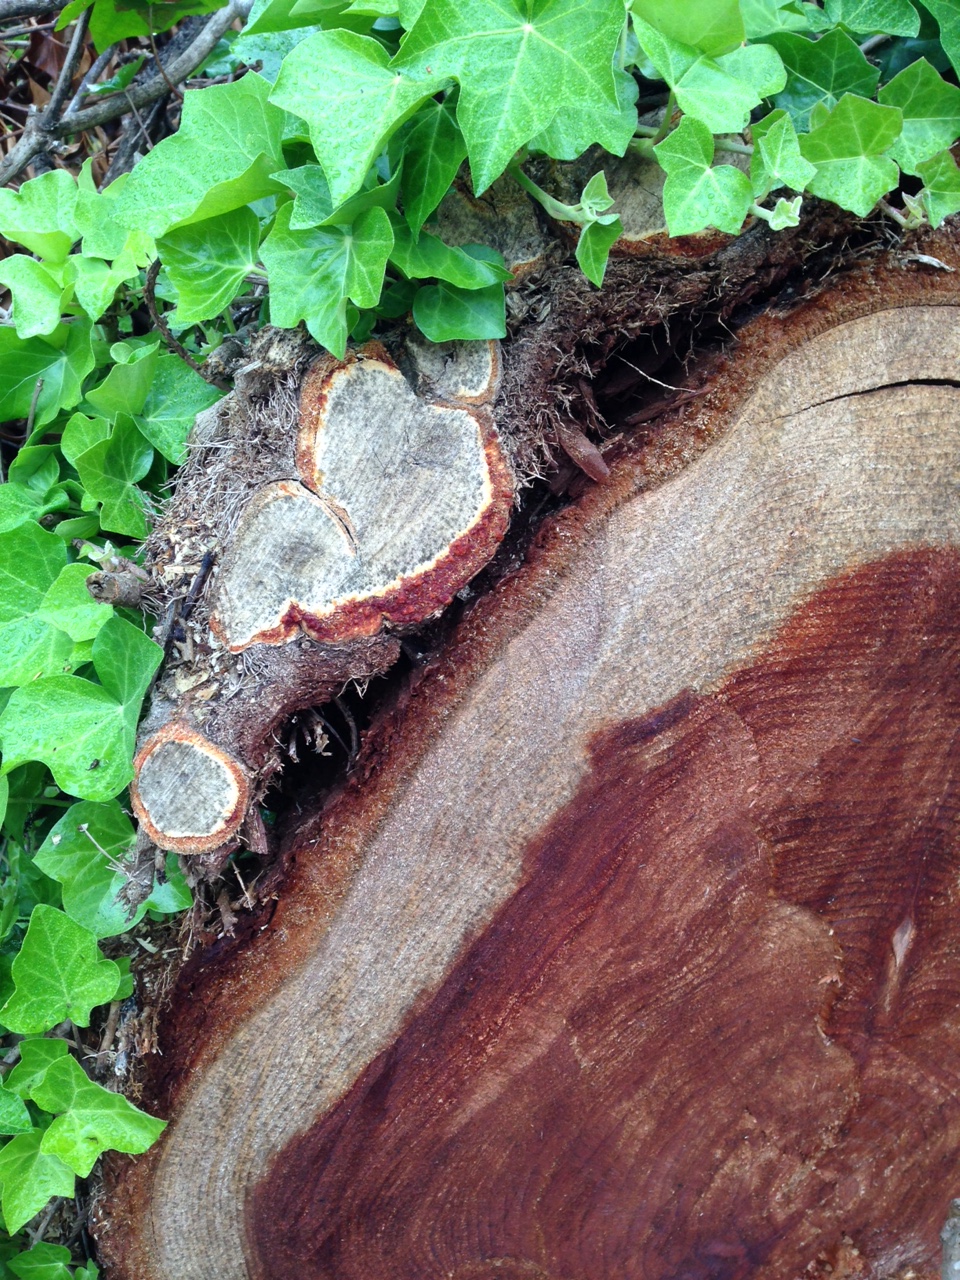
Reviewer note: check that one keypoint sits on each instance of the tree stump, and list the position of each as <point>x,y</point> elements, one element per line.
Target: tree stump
<point>632,949</point>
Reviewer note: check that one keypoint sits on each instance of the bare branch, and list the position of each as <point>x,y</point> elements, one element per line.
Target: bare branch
<point>28,8</point>
<point>42,131</point>
<point>176,71</point>
<point>90,79</point>
<point>65,80</point>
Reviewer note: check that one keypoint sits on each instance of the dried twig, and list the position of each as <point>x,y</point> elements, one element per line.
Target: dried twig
<point>28,8</point>
<point>90,78</point>
<point>72,61</point>
<point>43,131</point>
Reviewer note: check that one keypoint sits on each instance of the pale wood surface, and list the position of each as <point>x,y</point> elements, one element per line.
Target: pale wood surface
<point>846,450</point>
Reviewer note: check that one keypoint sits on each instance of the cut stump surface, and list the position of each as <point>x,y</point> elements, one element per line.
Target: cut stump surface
<point>638,954</point>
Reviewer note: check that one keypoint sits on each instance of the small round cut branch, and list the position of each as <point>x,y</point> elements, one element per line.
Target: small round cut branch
<point>189,795</point>
<point>402,502</point>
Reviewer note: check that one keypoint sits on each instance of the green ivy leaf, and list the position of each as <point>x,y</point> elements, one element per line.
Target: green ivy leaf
<point>341,85</point>
<point>61,360</point>
<point>777,160</point>
<point>30,646</point>
<point>36,1055</point>
<point>947,15</point>
<point>109,472</point>
<point>82,433</point>
<point>85,733</point>
<point>82,852</point>
<point>42,214</point>
<point>96,282</point>
<point>518,65</point>
<point>314,272</point>
<point>720,92</point>
<point>69,605</point>
<point>37,292</point>
<point>765,17</point>
<point>892,17</point>
<point>58,973</point>
<point>312,204</point>
<point>428,256</point>
<point>847,150</point>
<point>228,144</point>
<point>941,188</point>
<point>94,1120</point>
<point>176,395</point>
<point>582,123</point>
<point>696,194</point>
<point>593,248</point>
<point>207,262</point>
<point>42,1262</point>
<point>443,312</point>
<point>821,71</point>
<point>14,1116</point>
<point>712,26</point>
<point>433,151</point>
<point>125,387</point>
<point>786,213</point>
<point>931,113</point>
<point>29,1178</point>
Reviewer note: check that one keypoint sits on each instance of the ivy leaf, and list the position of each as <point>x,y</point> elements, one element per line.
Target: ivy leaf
<point>847,150</point>
<point>29,1178</point>
<point>95,281</point>
<point>228,144</point>
<point>697,195</point>
<point>94,1120</point>
<point>519,65</point>
<point>434,150</point>
<point>892,17</point>
<point>36,1055</point>
<point>30,647</point>
<point>125,387</point>
<point>70,606</point>
<point>443,312</point>
<point>313,273</point>
<point>777,160</point>
<point>941,188</point>
<point>821,71</point>
<point>947,15</point>
<point>352,106</point>
<point>720,92</point>
<point>83,732</point>
<point>42,214</point>
<point>37,294</point>
<point>429,256</point>
<point>713,26</point>
<point>931,113</point>
<point>14,1116</point>
<point>58,973</point>
<point>786,213</point>
<point>42,1262</point>
<point>61,360</point>
<point>764,17</point>
<point>82,853</point>
<point>109,472</point>
<point>176,395</point>
<point>593,247</point>
<point>208,261</point>
<point>581,124</point>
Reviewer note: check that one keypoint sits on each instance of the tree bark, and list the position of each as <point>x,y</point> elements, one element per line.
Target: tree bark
<point>630,948</point>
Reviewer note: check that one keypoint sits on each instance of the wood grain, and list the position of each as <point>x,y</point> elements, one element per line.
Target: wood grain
<point>503,1024</point>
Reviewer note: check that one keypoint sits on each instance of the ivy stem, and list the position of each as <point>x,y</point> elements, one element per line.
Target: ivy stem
<point>665,123</point>
<point>556,209</point>
<point>732,144</point>
<point>893,213</point>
